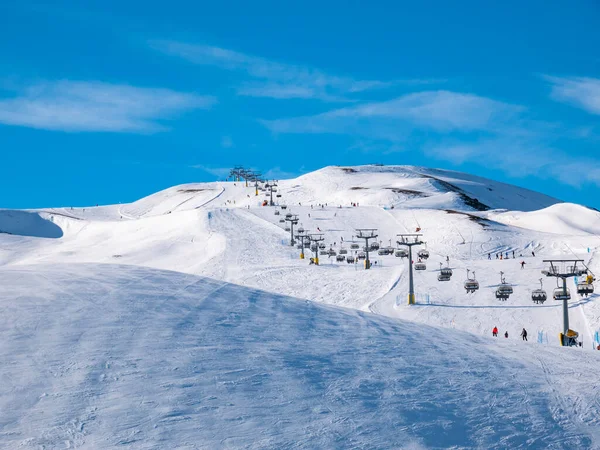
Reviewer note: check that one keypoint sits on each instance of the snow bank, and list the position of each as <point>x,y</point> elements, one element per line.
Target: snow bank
<point>25,223</point>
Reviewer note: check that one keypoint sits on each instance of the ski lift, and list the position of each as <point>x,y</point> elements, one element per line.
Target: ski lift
<point>300,230</point>
<point>423,254</point>
<point>586,287</point>
<point>361,256</point>
<point>323,253</point>
<point>276,212</point>
<point>471,285</point>
<point>354,246</point>
<point>382,251</point>
<point>287,228</point>
<point>420,266</point>
<point>539,295</point>
<point>401,253</point>
<point>343,251</point>
<point>445,271</point>
<point>501,294</point>
<point>281,220</point>
<point>560,294</point>
<point>314,248</point>
<point>340,258</point>
<point>374,246</point>
<point>283,207</point>
<point>288,216</point>
<point>278,196</point>
<point>442,277</point>
<point>322,246</point>
<point>350,259</point>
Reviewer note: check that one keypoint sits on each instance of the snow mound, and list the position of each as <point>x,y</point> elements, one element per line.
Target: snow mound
<point>409,186</point>
<point>25,223</point>
<point>105,356</point>
<point>565,218</point>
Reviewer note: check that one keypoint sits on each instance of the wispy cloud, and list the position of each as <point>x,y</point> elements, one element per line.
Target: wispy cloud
<point>227,142</point>
<point>95,106</point>
<point>578,91</point>
<point>442,111</point>
<point>274,79</point>
<point>220,172</point>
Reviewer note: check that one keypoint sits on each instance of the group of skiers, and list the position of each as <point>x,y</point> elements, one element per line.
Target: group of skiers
<point>523,333</point>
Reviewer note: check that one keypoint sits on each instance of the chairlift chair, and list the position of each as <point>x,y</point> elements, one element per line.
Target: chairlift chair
<point>354,246</point>
<point>401,253</point>
<point>423,254</point>
<point>343,251</point>
<point>276,212</point>
<point>340,258</point>
<point>361,255</point>
<point>287,228</point>
<point>281,220</point>
<point>288,216</point>
<point>442,277</point>
<point>382,251</point>
<point>502,295</point>
<point>278,196</point>
<point>559,294</point>
<point>420,266</point>
<point>323,253</point>
<point>374,246</point>
<point>331,252</point>
<point>350,259</point>
<point>283,207</point>
<point>539,295</point>
<point>446,272</point>
<point>322,246</point>
<point>584,288</point>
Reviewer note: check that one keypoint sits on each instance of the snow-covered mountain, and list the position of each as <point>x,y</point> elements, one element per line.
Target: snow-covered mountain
<point>182,319</point>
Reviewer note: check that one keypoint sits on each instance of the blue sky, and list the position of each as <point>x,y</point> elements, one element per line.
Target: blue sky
<point>106,101</point>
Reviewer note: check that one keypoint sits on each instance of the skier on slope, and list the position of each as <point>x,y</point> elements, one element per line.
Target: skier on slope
<point>524,334</point>
<point>522,265</point>
<point>506,334</point>
<point>495,332</point>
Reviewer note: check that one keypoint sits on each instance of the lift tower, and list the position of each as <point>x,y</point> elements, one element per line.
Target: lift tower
<point>410,240</point>
<point>563,269</point>
<point>315,239</point>
<point>302,238</point>
<point>366,234</point>
<point>270,187</point>
<point>293,220</point>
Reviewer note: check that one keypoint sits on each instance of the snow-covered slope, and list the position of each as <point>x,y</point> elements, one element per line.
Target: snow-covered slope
<point>220,231</point>
<point>100,356</point>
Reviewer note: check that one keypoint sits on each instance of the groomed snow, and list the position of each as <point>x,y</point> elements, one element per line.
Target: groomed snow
<point>100,356</point>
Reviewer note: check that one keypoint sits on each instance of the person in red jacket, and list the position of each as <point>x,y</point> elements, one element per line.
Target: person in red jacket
<point>495,332</point>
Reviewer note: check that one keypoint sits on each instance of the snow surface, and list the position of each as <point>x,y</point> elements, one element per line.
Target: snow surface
<point>186,320</point>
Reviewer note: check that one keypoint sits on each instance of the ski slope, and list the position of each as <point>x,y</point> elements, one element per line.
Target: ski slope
<point>209,247</point>
<point>100,356</point>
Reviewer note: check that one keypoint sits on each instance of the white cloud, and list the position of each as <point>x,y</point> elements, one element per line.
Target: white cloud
<point>276,80</point>
<point>220,172</point>
<point>96,106</point>
<point>276,173</point>
<point>581,92</point>
<point>227,142</point>
<point>442,111</point>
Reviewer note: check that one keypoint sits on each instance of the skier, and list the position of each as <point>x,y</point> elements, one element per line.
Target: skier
<point>506,257</point>
<point>522,265</point>
<point>497,257</point>
<point>533,254</point>
<point>506,334</point>
<point>513,254</point>
<point>447,259</point>
<point>309,215</point>
<point>495,332</point>
<point>524,334</point>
